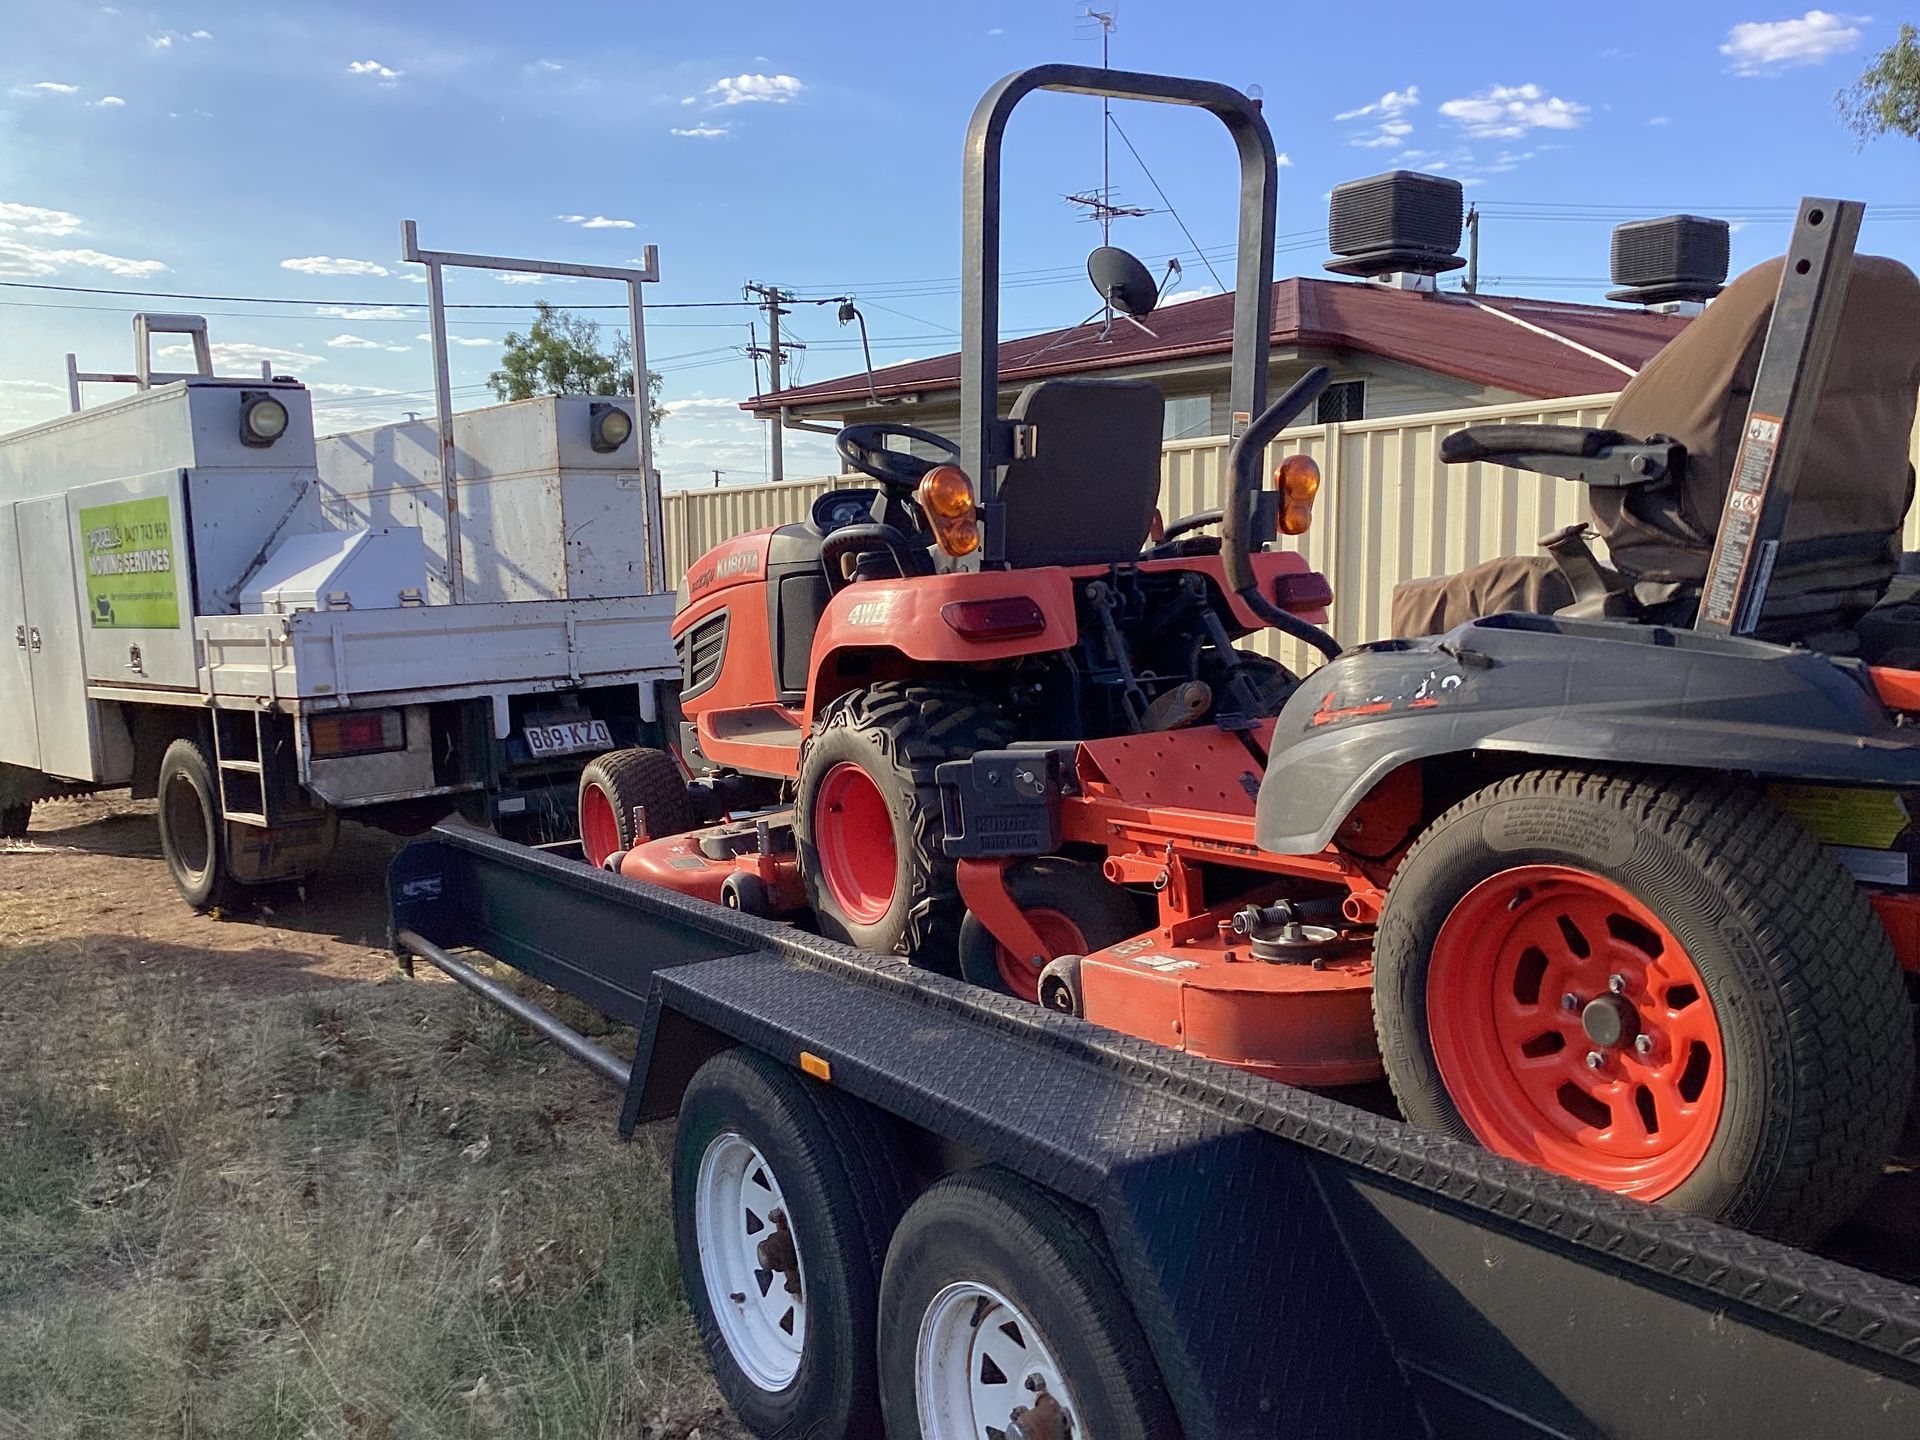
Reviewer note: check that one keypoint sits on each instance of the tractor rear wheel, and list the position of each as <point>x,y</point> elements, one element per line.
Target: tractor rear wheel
<point>611,787</point>
<point>867,818</point>
<point>1072,907</point>
<point>1662,986</point>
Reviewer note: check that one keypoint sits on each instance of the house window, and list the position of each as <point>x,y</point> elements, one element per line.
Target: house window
<point>1346,400</point>
<point>1188,417</point>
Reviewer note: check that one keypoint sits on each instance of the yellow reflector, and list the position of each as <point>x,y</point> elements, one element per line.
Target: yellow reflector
<point>815,1066</point>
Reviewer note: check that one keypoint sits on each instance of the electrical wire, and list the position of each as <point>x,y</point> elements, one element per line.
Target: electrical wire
<point>1177,219</point>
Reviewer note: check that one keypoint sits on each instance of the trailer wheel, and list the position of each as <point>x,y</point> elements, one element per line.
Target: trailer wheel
<point>999,1298</point>
<point>14,820</point>
<point>1663,986</point>
<point>1071,906</point>
<point>612,784</point>
<point>192,834</point>
<point>867,817</point>
<point>784,1196</point>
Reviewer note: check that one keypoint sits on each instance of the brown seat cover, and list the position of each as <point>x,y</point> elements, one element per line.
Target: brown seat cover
<point>1856,482</point>
<point>1856,479</point>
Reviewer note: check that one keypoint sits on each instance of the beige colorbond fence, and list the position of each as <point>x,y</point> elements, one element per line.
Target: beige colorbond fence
<point>1388,510</point>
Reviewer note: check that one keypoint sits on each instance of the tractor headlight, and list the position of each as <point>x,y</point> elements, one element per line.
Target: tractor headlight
<point>263,419</point>
<point>610,427</point>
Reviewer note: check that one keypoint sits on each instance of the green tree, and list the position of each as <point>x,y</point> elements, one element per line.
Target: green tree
<point>1886,97</point>
<point>561,354</point>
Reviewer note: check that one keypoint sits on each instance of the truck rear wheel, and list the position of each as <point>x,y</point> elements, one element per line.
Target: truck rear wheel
<point>999,1299</point>
<point>1662,986</point>
<point>614,783</point>
<point>192,832</point>
<point>784,1196</point>
<point>867,818</point>
<point>14,820</point>
<point>1071,906</point>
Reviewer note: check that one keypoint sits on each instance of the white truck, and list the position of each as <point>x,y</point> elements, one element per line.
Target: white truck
<point>264,631</point>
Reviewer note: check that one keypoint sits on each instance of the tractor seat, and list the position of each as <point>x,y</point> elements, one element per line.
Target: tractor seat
<point>1085,490</point>
<point>1658,476</point>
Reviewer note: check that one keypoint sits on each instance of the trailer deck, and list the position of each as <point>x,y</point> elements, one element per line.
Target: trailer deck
<point>1298,1264</point>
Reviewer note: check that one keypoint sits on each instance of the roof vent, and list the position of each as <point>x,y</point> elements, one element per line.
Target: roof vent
<point>1678,262</point>
<point>1401,228</point>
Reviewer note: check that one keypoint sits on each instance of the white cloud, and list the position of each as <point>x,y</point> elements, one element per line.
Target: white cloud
<point>1660,120</point>
<point>1386,119</point>
<point>1282,161</point>
<point>1506,112</point>
<point>20,260</point>
<point>550,66</point>
<point>1761,47</point>
<point>52,87</point>
<point>468,340</point>
<point>521,277</point>
<point>333,265</point>
<point>701,402</point>
<point>752,89</point>
<point>374,68</point>
<point>365,312</point>
<point>997,30</point>
<point>162,41</point>
<point>37,387</point>
<point>595,222</point>
<point>201,35</point>
<point>109,102</point>
<point>240,355</point>
<point>354,342</point>
<point>37,219</point>
<point>1192,292</point>
<point>703,132</point>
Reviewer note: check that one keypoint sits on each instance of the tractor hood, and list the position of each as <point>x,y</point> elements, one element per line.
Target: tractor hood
<point>1602,691</point>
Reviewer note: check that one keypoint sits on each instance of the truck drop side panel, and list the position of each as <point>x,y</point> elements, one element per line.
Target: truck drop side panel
<point>1299,1266</point>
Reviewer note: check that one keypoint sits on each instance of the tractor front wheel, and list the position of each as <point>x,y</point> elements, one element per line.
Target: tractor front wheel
<point>1662,986</point>
<point>867,819</point>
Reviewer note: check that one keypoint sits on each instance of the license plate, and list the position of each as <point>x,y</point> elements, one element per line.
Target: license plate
<point>570,738</point>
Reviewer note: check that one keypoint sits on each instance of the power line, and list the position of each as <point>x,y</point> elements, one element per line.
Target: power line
<point>369,304</point>
<point>1166,202</point>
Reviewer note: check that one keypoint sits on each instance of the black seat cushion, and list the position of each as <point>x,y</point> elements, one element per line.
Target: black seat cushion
<point>1085,495</point>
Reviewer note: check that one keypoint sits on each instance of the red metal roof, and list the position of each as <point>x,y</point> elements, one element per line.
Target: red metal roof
<point>1443,331</point>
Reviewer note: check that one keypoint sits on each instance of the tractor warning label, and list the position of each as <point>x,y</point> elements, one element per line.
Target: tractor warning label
<point>128,550</point>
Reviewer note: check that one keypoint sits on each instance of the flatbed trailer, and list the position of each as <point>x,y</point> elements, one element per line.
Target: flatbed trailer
<point>1298,1265</point>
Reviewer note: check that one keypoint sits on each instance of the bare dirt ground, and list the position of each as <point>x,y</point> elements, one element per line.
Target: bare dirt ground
<point>254,1182</point>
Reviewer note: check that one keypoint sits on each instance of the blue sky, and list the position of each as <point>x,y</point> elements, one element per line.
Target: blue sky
<point>250,150</point>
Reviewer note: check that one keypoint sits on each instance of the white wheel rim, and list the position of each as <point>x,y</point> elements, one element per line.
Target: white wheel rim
<point>735,1201</point>
<point>975,1363</point>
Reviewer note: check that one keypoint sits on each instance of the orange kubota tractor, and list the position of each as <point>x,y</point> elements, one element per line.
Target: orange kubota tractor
<point>1621,891</point>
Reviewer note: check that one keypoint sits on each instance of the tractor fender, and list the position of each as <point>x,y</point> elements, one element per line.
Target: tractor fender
<point>916,619</point>
<point>1604,691</point>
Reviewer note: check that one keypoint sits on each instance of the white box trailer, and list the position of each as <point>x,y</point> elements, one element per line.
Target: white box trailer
<point>201,601</point>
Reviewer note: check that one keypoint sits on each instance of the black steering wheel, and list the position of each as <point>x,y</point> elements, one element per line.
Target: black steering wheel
<point>864,448</point>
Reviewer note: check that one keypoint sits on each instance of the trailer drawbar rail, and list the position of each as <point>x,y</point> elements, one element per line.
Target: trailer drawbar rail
<point>1297,1266</point>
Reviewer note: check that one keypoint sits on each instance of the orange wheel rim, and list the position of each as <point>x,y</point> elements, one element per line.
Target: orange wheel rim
<point>1061,937</point>
<point>1573,1031</point>
<point>599,827</point>
<point>853,834</point>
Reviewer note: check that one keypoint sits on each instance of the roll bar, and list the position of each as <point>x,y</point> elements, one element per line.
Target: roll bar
<point>986,441</point>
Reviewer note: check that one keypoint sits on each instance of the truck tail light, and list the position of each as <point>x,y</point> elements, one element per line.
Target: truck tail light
<point>1007,618</point>
<point>357,732</point>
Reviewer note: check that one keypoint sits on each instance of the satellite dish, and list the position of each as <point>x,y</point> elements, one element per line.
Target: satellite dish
<point>1123,282</point>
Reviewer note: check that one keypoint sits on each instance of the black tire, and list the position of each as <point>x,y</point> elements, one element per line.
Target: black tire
<point>192,834</point>
<point>1804,987</point>
<point>991,1228</point>
<point>835,1161</point>
<point>14,820</point>
<point>897,732</point>
<point>1103,912</point>
<point>637,776</point>
<point>1272,682</point>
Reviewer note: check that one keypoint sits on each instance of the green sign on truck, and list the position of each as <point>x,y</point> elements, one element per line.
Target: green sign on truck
<point>129,555</point>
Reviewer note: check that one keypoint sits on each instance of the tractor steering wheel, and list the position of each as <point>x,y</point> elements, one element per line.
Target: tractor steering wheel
<point>864,448</point>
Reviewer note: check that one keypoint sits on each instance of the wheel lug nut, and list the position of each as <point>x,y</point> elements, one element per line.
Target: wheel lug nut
<point>1569,1001</point>
<point>1595,1059</point>
<point>1643,1044</point>
<point>1617,984</point>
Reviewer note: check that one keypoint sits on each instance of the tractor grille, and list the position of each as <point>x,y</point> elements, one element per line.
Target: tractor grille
<point>701,650</point>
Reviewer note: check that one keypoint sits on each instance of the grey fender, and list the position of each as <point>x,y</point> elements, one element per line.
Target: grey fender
<point>1571,690</point>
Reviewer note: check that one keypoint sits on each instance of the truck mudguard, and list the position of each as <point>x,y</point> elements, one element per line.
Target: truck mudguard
<point>1573,690</point>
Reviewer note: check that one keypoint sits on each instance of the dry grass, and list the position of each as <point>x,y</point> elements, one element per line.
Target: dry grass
<point>361,1210</point>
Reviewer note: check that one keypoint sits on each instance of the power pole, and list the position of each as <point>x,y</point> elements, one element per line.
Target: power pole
<point>772,298</point>
<point>1473,249</point>
<point>716,478</point>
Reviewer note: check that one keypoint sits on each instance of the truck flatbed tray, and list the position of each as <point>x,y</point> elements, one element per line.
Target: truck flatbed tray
<point>1300,1266</point>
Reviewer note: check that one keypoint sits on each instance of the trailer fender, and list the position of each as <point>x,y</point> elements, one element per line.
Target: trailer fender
<point>1598,691</point>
